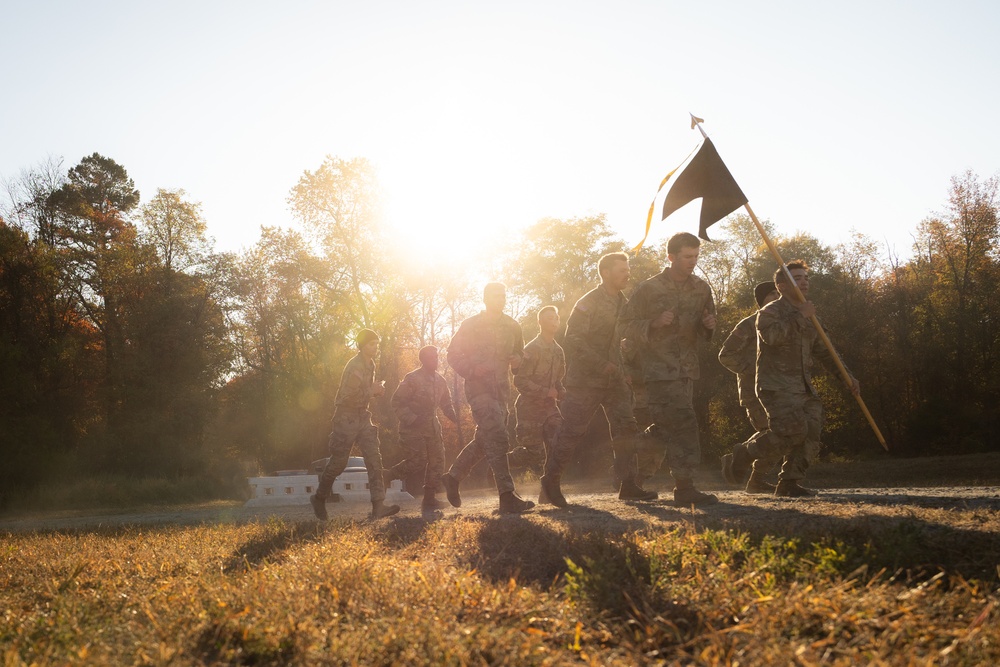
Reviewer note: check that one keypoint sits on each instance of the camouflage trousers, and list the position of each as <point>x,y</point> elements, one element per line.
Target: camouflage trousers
<point>424,462</point>
<point>796,422</point>
<point>578,408</point>
<point>649,451</point>
<point>674,428</point>
<point>353,427</point>
<point>490,442</point>
<point>538,423</point>
<point>762,434</point>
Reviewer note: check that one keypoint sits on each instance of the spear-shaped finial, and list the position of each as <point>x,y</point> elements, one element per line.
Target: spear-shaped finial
<point>696,122</point>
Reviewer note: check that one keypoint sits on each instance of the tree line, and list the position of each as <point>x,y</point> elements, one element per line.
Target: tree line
<point>128,345</point>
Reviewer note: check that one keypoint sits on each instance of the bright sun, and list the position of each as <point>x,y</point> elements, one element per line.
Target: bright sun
<point>460,186</point>
<point>451,203</point>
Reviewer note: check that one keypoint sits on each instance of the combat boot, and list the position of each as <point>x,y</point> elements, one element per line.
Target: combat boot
<point>380,510</point>
<point>629,490</point>
<point>551,493</point>
<point>742,463</point>
<point>686,495</point>
<point>511,503</point>
<point>451,489</point>
<point>430,502</point>
<point>319,506</point>
<point>789,488</point>
<point>756,484</point>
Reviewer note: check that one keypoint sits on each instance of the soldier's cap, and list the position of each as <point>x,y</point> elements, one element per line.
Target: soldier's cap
<point>761,291</point>
<point>366,336</point>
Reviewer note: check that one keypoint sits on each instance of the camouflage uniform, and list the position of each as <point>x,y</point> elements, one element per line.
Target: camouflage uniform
<point>592,342</point>
<point>538,416</point>
<point>650,453</point>
<point>787,345</point>
<point>352,424</point>
<point>480,352</point>
<point>739,355</point>
<point>416,401</point>
<point>670,362</point>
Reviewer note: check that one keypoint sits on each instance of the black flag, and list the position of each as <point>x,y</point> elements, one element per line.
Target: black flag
<point>705,176</point>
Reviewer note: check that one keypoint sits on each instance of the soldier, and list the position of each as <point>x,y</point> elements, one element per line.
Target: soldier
<point>484,350</point>
<point>739,355</point>
<point>787,343</point>
<point>595,379</point>
<point>539,381</point>
<point>352,424</point>
<point>666,316</point>
<point>416,402</point>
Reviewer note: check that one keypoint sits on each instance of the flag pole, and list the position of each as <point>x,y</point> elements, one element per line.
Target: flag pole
<point>844,374</point>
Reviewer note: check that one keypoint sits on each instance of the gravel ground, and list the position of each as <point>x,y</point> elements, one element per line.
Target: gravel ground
<point>954,505</point>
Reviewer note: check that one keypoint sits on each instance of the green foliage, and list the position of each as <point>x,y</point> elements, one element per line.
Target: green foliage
<point>127,342</point>
<point>556,260</point>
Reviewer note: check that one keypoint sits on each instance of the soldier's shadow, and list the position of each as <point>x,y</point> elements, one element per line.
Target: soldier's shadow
<point>857,526</point>
<point>567,535</point>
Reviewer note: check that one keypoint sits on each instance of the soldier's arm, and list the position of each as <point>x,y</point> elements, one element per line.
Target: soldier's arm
<point>518,343</point>
<point>524,376</point>
<point>708,310</point>
<point>354,390</point>
<point>445,402</point>
<point>633,323</point>
<point>733,354</point>
<point>459,354</point>
<point>577,344</point>
<point>401,402</point>
<point>559,372</point>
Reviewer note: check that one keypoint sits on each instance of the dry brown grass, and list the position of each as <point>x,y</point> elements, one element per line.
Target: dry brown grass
<point>751,583</point>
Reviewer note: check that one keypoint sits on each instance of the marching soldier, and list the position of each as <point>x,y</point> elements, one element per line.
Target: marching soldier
<point>539,381</point>
<point>595,379</point>
<point>352,424</point>
<point>786,347</point>
<point>666,317</point>
<point>416,402</point>
<point>739,355</point>
<point>484,350</point>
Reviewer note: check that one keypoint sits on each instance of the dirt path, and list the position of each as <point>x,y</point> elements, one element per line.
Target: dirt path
<point>957,506</point>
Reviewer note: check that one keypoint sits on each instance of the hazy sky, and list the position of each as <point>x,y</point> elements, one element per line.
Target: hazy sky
<point>493,115</point>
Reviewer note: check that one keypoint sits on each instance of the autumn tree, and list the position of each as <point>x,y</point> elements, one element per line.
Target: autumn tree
<point>175,227</point>
<point>94,231</point>
<point>948,290</point>
<point>555,261</point>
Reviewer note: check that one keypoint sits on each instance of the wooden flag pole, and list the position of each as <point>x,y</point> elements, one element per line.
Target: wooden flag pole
<point>696,122</point>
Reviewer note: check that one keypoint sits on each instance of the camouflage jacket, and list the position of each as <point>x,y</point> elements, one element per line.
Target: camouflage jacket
<point>417,399</point>
<point>592,339</point>
<point>543,368</point>
<point>481,350</point>
<point>739,354</point>
<point>670,352</point>
<point>356,384</point>
<point>787,345</point>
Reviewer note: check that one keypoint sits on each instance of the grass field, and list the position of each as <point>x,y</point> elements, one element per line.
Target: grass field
<point>844,579</point>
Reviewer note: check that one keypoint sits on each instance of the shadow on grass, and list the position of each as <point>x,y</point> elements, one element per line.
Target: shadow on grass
<point>270,547</point>
<point>535,552</point>
<point>905,542</point>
